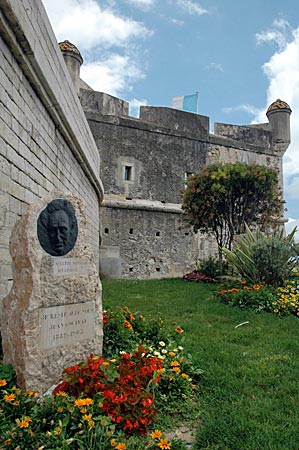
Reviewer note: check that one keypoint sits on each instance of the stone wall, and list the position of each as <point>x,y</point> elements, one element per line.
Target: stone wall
<point>145,241</point>
<point>144,165</point>
<point>45,141</point>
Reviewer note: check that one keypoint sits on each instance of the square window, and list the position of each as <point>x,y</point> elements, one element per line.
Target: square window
<point>128,173</point>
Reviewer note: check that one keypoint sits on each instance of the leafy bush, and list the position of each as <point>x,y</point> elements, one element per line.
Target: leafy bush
<point>178,376</point>
<point>125,385</point>
<point>272,260</point>
<point>259,258</point>
<point>124,331</point>
<point>210,267</point>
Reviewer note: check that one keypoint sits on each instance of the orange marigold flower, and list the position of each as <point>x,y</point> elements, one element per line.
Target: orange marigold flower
<point>176,369</point>
<point>83,402</point>
<point>164,444</point>
<point>121,446</point>
<point>174,363</point>
<point>3,383</point>
<point>156,434</point>
<point>9,397</point>
<point>256,287</point>
<point>171,353</point>
<point>16,403</point>
<point>32,393</point>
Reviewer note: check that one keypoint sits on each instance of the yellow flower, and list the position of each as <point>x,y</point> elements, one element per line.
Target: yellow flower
<point>60,409</point>
<point>156,434</point>
<point>121,446</point>
<point>9,398</point>
<point>16,403</point>
<point>91,424</point>
<point>61,394</point>
<point>83,402</point>
<point>164,444</point>
<point>174,363</point>
<point>113,442</point>
<point>57,431</point>
<point>24,423</point>
<point>3,383</point>
<point>87,417</point>
<point>176,369</point>
<point>184,375</point>
<point>171,353</point>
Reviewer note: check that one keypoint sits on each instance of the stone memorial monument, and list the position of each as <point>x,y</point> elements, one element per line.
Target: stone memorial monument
<point>52,317</point>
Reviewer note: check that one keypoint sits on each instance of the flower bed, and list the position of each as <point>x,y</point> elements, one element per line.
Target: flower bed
<point>281,301</point>
<point>106,402</point>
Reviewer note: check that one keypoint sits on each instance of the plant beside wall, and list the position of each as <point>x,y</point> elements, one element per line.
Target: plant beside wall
<point>261,258</point>
<point>221,198</point>
<point>107,402</point>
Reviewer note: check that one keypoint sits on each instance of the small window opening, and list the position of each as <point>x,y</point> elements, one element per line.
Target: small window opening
<point>186,234</point>
<point>131,231</point>
<point>130,269</point>
<point>158,233</point>
<point>128,173</point>
<point>129,198</point>
<point>163,201</point>
<point>158,269</point>
<point>106,230</point>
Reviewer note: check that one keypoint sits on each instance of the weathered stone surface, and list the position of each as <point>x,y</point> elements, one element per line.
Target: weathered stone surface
<point>52,316</point>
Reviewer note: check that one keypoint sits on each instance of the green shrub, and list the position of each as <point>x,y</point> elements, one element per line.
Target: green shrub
<point>210,267</point>
<point>263,259</point>
<point>272,260</point>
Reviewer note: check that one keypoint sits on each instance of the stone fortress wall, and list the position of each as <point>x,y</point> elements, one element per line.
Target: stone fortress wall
<point>45,140</point>
<point>144,163</point>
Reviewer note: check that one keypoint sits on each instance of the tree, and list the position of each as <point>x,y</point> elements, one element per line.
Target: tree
<point>221,198</point>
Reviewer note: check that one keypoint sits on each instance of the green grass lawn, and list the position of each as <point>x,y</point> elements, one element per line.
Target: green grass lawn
<point>249,391</point>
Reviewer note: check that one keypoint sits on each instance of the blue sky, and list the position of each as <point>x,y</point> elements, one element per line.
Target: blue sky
<point>239,55</point>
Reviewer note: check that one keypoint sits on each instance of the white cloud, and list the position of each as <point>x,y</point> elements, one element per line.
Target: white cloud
<point>88,25</point>
<point>142,4</point>
<point>109,42</point>
<point>246,108</point>
<point>279,33</point>
<point>113,75</point>
<point>216,66</point>
<point>282,71</point>
<point>135,106</point>
<point>191,7</point>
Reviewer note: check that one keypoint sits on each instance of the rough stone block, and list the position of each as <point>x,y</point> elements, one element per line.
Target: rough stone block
<point>52,317</point>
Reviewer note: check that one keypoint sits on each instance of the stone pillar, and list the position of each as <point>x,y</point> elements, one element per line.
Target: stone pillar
<point>52,317</point>
<point>73,60</point>
<point>278,115</point>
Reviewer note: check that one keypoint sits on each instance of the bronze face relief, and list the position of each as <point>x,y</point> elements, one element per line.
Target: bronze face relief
<point>57,227</point>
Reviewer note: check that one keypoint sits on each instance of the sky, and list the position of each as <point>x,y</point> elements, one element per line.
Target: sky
<point>239,55</point>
